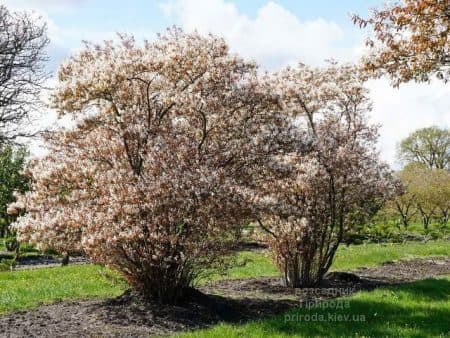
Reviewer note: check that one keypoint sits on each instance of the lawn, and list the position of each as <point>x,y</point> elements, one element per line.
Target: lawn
<point>25,289</point>
<point>29,288</point>
<point>420,309</point>
<point>355,256</point>
<point>347,258</point>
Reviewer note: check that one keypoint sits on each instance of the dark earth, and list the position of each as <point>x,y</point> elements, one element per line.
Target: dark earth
<point>235,301</point>
<point>40,261</point>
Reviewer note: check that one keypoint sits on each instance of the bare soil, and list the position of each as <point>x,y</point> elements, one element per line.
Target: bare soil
<point>234,301</point>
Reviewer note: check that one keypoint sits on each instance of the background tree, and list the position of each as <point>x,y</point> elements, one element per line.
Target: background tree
<point>404,205</point>
<point>332,183</point>
<point>410,40</point>
<point>430,188</point>
<point>441,186</point>
<point>428,146</point>
<point>22,72</point>
<point>425,194</point>
<point>12,162</point>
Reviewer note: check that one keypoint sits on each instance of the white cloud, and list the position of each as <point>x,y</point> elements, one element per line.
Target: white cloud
<point>274,37</point>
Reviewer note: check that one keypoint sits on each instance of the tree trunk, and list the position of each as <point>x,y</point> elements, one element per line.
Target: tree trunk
<point>444,217</point>
<point>65,260</point>
<point>426,222</point>
<point>17,252</point>
<point>405,222</point>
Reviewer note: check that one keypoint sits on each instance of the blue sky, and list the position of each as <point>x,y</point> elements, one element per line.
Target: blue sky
<point>116,14</point>
<point>273,33</point>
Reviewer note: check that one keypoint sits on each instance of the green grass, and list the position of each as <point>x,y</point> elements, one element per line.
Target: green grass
<point>389,231</point>
<point>347,258</point>
<point>418,227</point>
<point>248,264</point>
<point>29,288</point>
<point>420,309</point>
<point>25,289</point>
<point>352,257</point>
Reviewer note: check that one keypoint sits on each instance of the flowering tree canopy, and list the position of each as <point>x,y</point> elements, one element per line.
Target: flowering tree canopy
<point>334,181</point>
<point>411,40</point>
<point>150,181</point>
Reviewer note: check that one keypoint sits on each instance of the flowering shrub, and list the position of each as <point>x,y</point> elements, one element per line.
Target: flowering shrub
<point>177,143</point>
<point>331,183</point>
<point>150,181</point>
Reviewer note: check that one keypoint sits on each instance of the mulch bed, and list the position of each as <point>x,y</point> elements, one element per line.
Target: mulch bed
<point>32,262</point>
<point>25,262</point>
<point>234,301</point>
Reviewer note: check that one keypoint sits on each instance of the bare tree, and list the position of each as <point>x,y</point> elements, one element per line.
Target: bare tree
<point>22,72</point>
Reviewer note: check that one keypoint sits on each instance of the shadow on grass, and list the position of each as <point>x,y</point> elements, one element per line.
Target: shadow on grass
<point>419,309</point>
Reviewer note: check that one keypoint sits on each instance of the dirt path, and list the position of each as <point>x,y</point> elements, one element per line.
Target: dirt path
<point>231,301</point>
